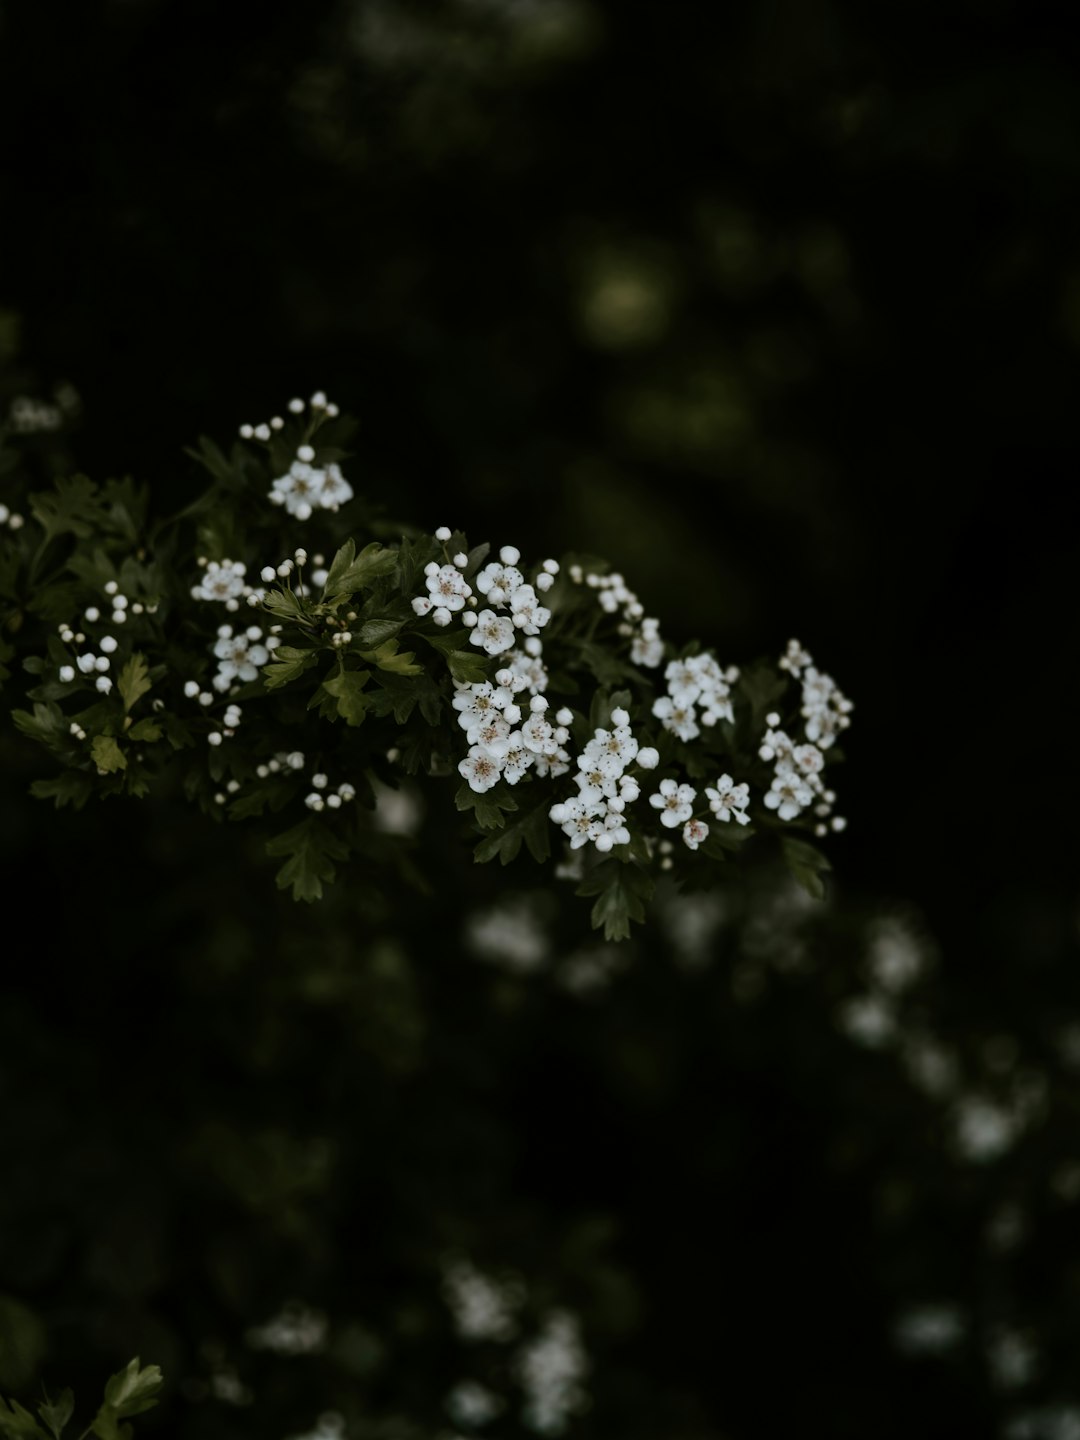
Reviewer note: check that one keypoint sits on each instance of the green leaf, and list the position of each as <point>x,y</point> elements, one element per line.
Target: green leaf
<point>387,657</point>
<point>16,1423</point>
<point>608,668</point>
<point>468,668</point>
<point>286,605</point>
<point>130,1392</point>
<point>341,562</point>
<point>70,787</point>
<point>45,724</point>
<point>145,730</point>
<point>346,687</point>
<point>211,458</point>
<point>360,573</point>
<point>289,667</point>
<point>56,1414</point>
<point>71,507</point>
<point>487,807</point>
<point>764,687</point>
<point>107,754</point>
<point>134,681</point>
<point>375,632</point>
<point>533,828</point>
<point>312,849</point>
<point>807,865</point>
<point>623,892</point>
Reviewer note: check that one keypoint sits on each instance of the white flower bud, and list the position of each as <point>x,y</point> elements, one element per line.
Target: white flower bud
<point>423,605</point>
<point>772,719</point>
<point>346,791</point>
<point>620,716</point>
<point>295,760</point>
<point>534,646</point>
<point>296,406</point>
<point>103,683</point>
<point>318,400</point>
<point>246,432</point>
<point>544,582</point>
<point>305,453</point>
<point>191,689</point>
<point>432,568</point>
<point>92,615</point>
<point>441,616</point>
<point>468,619</point>
<point>319,781</point>
<point>551,567</point>
<point>67,673</point>
<point>604,842</point>
<point>268,573</point>
<point>443,533</point>
<point>86,662</point>
<point>648,758</point>
<point>509,555</point>
<point>839,823</point>
<point>565,716</point>
<point>334,802</point>
<point>206,698</point>
<point>557,814</point>
<point>461,560</point>
<point>262,432</point>
<point>214,738</point>
<point>102,663</point>
<point>262,771</point>
<point>512,714</point>
<point>107,643</point>
<point>112,587</point>
<point>276,422</point>
<point>538,704</point>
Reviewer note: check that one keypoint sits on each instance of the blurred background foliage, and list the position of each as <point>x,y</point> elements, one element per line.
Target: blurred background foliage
<point>778,308</point>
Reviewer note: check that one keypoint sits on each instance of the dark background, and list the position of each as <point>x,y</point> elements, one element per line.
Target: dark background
<point>778,308</point>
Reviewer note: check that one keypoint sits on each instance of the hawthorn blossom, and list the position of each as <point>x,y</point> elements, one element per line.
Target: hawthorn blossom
<point>299,489</point>
<point>679,719</point>
<point>480,768</point>
<point>222,581</point>
<point>789,793</point>
<point>694,832</point>
<point>239,656</point>
<point>448,587</point>
<point>675,802</point>
<point>495,633</point>
<point>728,801</point>
<point>497,582</point>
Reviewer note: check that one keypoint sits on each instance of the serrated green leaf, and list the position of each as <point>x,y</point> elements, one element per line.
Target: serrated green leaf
<point>108,757</point>
<point>388,657</point>
<point>17,1423</point>
<point>608,668</point>
<point>283,672</point>
<point>807,865</point>
<point>347,689</point>
<point>134,681</point>
<point>312,849</point>
<point>145,730</point>
<point>210,457</point>
<point>285,604</point>
<point>468,668</point>
<point>70,787</point>
<point>46,723</point>
<point>134,1389</point>
<point>57,1413</point>
<point>623,892</point>
<point>376,632</point>
<point>71,507</point>
<point>489,806</point>
<point>338,566</point>
<point>372,562</point>
<point>533,829</point>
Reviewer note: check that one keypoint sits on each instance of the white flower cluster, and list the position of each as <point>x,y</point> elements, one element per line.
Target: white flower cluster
<point>697,681</point>
<point>615,596</point>
<point>239,654</point>
<point>223,582</point>
<point>306,487</point>
<point>88,663</point>
<point>504,588</point>
<point>595,814</point>
<point>29,416</point>
<point>489,714</point>
<point>322,798</point>
<point>824,709</point>
<point>482,1307</point>
<point>297,1329</point>
<point>11,518</point>
<point>551,1369</point>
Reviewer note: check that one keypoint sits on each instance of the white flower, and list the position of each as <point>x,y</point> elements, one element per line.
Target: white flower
<point>694,832</point>
<point>492,735</point>
<point>795,659</point>
<point>552,763</point>
<point>481,769</point>
<point>808,758</point>
<point>222,581</point>
<point>552,1368</point>
<point>789,793</point>
<point>679,719</point>
<point>676,802</point>
<point>498,582</point>
<point>647,650</point>
<point>728,801</point>
<point>448,588</point>
<point>495,633</point>
<point>299,490</point>
<point>239,656</point>
<point>526,611</point>
<point>334,489</point>
<point>478,703</point>
<point>517,760</point>
<point>538,735</point>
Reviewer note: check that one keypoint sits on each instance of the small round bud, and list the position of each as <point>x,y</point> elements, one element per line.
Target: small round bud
<point>620,716</point>
<point>558,814</point>
<point>112,587</point>
<point>432,568</point>
<point>443,533</point>
<point>509,555</point>
<point>461,560</point>
<point>468,619</point>
<point>839,823</point>
<point>91,615</point>
<point>538,704</point>
<point>276,422</point>
<point>295,759</point>
<point>320,781</point>
<point>233,786</point>
<point>86,663</point>
<point>67,673</point>
<point>604,842</point>
<point>318,400</point>
<point>246,432</point>
<point>107,643</point>
<point>268,573</point>
<point>534,646</point>
<point>346,791</point>
<point>296,406</point>
<point>334,802</point>
<point>544,582</point>
<point>191,689</point>
<point>206,698</point>
<point>305,453</point>
<point>772,719</point>
<point>565,716</point>
<point>648,758</point>
<point>512,714</point>
<point>214,738</point>
<point>102,663</point>
<point>262,432</point>
<point>441,616</point>
<point>262,771</point>
<point>103,683</point>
